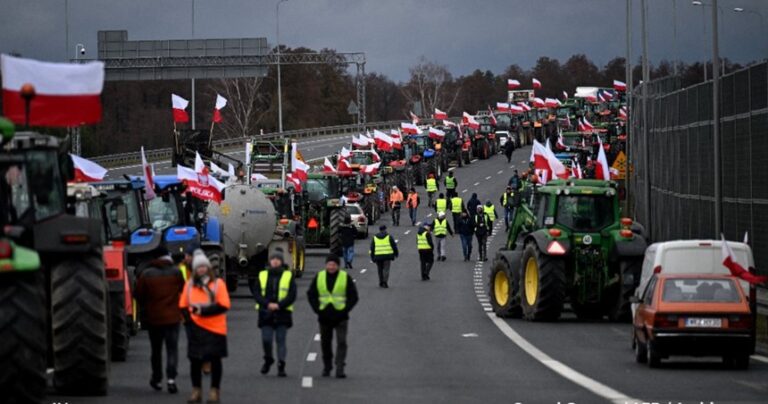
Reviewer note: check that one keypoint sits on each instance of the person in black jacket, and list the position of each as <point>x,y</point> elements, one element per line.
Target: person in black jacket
<point>482,230</point>
<point>348,234</point>
<point>465,229</point>
<point>333,312</point>
<point>275,292</point>
<point>473,203</point>
<point>383,251</point>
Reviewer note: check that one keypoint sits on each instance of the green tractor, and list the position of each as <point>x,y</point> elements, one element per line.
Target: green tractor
<point>54,308</point>
<point>568,245</point>
<point>323,212</point>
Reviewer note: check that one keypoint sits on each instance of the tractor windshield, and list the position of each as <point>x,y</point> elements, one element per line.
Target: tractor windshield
<point>362,158</point>
<point>164,212</point>
<point>319,189</point>
<point>585,213</point>
<point>45,183</point>
<point>129,199</point>
<point>14,182</point>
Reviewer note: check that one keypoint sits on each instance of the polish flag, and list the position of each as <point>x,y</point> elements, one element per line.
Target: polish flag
<point>516,109</point>
<point>383,141</point>
<point>536,84</point>
<point>397,139</point>
<point>300,168</point>
<point>577,170</point>
<point>436,134</point>
<point>414,118</point>
<point>221,102</point>
<point>471,121</point>
<point>591,97</point>
<point>149,177</point>
<point>359,141</point>
<point>567,120</point>
<point>215,169</point>
<point>587,125</point>
<point>409,128</point>
<point>293,180</point>
<point>200,184</point>
<point>370,168</point>
<point>376,157</point>
<point>736,269</point>
<point>619,85</point>
<point>502,106</point>
<point>604,96</point>
<point>623,113</point>
<point>491,116</point>
<point>565,95</point>
<point>449,123</point>
<point>602,170</point>
<point>179,106</point>
<point>86,170</point>
<point>551,103</point>
<point>439,114</point>
<point>512,84</point>
<point>581,127</point>
<point>65,94</point>
<point>560,143</point>
<point>328,167</point>
<point>544,160</point>
<point>539,103</point>
<point>344,153</point>
<point>524,106</point>
<point>344,166</point>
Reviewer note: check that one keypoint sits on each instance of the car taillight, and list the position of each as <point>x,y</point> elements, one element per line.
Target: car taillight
<point>657,269</point>
<point>665,320</point>
<point>361,219</point>
<point>75,238</point>
<point>6,250</point>
<point>555,248</point>
<point>740,321</point>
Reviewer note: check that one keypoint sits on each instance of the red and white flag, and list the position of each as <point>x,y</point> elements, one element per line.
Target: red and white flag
<point>512,84</point>
<point>470,121</point>
<point>201,184</point>
<point>439,115</point>
<point>623,113</point>
<point>502,106</point>
<point>539,103</point>
<point>524,106</point>
<point>449,124</point>
<point>86,170</point>
<point>414,118</point>
<point>290,178</point>
<point>376,157</point>
<point>409,128</point>
<point>587,125</point>
<point>65,94</point>
<point>577,170</point>
<point>328,167</point>
<point>492,117</point>
<point>344,166</point>
<point>179,109</point>
<point>221,102</point>
<point>370,168</point>
<point>602,170</point>
<point>397,139</point>
<point>730,261</point>
<point>149,177</point>
<point>299,168</point>
<point>344,153</point>
<point>551,103</point>
<point>383,141</point>
<point>360,141</point>
<point>536,83</point>
<point>516,109</point>
<point>560,143</point>
<point>619,85</point>
<point>436,134</point>
<point>544,161</point>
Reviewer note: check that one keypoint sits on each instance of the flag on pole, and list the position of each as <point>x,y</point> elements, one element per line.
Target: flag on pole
<point>221,102</point>
<point>502,106</point>
<point>436,134</point>
<point>524,106</point>
<point>179,109</point>
<point>539,103</point>
<point>299,168</point>
<point>730,261</point>
<point>409,128</point>
<point>86,170</point>
<point>290,178</point>
<point>619,85</point>
<point>328,167</point>
<point>370,168</point>
<point>149,177</point>
<point>414,118</point>
<point>439,114</point>
<point>383,141</point>
<point>344,153</point>
<point>491,116</point>
<point>602,171</point>
<point>565,95</point>
<point>512,84</point>
<point>536,83</point>
<point>201,184</point>
<point>397,139</point>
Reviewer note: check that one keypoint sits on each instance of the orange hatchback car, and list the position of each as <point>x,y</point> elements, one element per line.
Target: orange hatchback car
<point>693,315</point>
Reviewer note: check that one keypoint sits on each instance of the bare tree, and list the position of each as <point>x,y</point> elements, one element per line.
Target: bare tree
<point>431,85</point>
<point>246,106</point>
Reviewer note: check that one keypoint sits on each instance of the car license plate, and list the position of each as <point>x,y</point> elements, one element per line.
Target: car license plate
<point>696,322</point>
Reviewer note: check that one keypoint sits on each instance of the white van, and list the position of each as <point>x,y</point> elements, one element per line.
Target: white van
<point>690,257</point>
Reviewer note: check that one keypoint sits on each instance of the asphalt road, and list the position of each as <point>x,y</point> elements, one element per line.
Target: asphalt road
<point>436,341</point>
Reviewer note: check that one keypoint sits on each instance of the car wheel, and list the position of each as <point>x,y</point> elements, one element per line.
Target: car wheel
<point>652,355</point>
<point>641,353</point>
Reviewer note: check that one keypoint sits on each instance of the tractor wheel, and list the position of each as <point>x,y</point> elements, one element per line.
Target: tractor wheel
<point>542,285</point>
<point>620,307</point>
<point>334,236</point>
<point>504,290</point>
<point>118,327</point>
<point>79,318</point>
<point>23,332</point>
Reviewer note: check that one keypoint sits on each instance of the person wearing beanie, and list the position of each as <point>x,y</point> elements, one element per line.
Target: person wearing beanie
<point>441,230</point>
<point>204,303</point>
<point>348,234</point>
<point>425,246</point>
<point>383,251</point>
<point>275,293</point>
<point>482,228</point>
<point>158,291</point>
<point>325,297</point>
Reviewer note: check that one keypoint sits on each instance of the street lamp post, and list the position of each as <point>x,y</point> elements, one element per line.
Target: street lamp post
<point>279,78</point>
<point>646,132</point>
<point>762,18</point>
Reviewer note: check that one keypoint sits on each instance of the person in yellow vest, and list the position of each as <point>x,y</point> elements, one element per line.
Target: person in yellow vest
<point>441,230</point>
<point>450,185</point>
<point>441,204</point>
<point>332,296</point>
<point>275,292</point>
<point>426,251</point>
<point>431,185</point>
<point>383,252</point>
<point>457,206</point>
<point>507,201</point>
<point>490,211</point>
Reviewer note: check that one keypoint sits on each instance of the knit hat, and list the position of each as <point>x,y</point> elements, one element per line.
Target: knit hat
<point>333,258</point>
<point>277,255</point>
<point>199,259</point>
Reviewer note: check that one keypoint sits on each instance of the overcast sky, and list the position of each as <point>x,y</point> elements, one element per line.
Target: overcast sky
<point>463,34</point>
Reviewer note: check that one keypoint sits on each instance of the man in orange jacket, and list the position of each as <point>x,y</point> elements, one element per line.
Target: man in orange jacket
<point>395,202</point>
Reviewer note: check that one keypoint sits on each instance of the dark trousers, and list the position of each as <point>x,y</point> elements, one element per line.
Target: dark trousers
<point>466,245</point>
<point>274,333</point>
<point>450,192</point>
<point>481,246</point>
<point>456,217</point>
<point>196,371</point>
<point>383,268</point>
<point>427,259</point>
<point>509,214</point>
<point>412,214</point>
<point>326,343</point>
<point>167,335</point>
<point>396,216</point>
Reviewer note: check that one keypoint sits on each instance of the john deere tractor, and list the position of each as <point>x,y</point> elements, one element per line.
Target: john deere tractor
<point>568,245</point>
<point>323,213</point>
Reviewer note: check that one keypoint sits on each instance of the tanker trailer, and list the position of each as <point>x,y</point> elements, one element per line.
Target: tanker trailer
<point>252,232</point>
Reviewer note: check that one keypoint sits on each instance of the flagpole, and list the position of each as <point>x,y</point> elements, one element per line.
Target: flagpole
<point>210,134</point>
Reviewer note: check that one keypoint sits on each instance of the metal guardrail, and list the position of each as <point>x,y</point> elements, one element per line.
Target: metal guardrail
<point>155,155</point>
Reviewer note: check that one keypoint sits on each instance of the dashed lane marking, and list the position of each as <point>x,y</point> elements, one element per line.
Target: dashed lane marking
<point>362,271</point>
<point>429,215</point>
<point>317,337</point>
<point>477,183</point>
<point>472,161</point>
<point>406,232</point>
<point>312,356</point>
<point>463,191</point>
<point>487,309</point>
<point>306,382</point>
<point>522,161</point>
<point>760,358</point>
<point>488,178</point>
<point>500,172</point>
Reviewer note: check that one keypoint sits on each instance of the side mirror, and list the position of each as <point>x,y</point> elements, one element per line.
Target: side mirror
<point>122,216</point>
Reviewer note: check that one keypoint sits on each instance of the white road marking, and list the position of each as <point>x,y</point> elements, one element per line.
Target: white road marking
<point>429,215</point>
<point>511,166</point>
<point>472,161</point>
<point>477,183</point>
<point>488,178</point>
<point>483,299</point>
<point>317,337</point>
<point>522,161</point>
<point>452,168</point>
<point>306,382</point>
<point>312,356</point>
<point>463,191</point>
<point>487,309</point>
<point>500,172</point>
<point>470,335</point>
<point>406,232</point>
<point>362,271</point>
<point>558,367</point>
<point>760,358</point>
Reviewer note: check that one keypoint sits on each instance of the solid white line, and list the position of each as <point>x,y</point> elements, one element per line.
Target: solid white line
<point>407,231</point>
<point>306,382</point>
<point>317,337</point>
<point>477,183</point>
<point>760,358</point>
<point>488,177</point>
<point>312,356</point>
<point>558,367</point>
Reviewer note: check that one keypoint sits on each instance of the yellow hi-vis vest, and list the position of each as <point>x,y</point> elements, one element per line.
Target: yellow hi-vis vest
<point>431,185</point>
<point>338,296</point>
<point>450,182</point>
<point>441,227</point>
<point>285,285</point>
<point>183,269</point>
<point>382,246</point>
<point>504,198</point>
<point>490,211</point>
<point>421,241</point>
<point>456,204</point>
<point>441,204</point>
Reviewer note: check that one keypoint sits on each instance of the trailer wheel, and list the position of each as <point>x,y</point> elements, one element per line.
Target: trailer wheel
<point>118,327</point>
<point>23,332</point>
<point>334,236</point>
<point>79,318</point>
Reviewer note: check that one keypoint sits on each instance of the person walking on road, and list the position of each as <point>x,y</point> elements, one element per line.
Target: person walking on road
<point>442,229</point>
<point>490,211</point>
<point>426,250</point>
<point>204,303</point>
<point>332,296</point>
<point>450,185</point>
<point>482,229</point>
<point>275,293</point>
<point>473,203</point>
<point>431,185</point>
<point>466,229</point>
<point>348,234</point>
<point>507,200</point>
<point>509,148</point>
<point>514,181</point>
<point>158,289</point>
<point>413,204</point>
<point>441,204</point>
<point>383,252</point>
<point>457,206</point>
<point>395,201</point>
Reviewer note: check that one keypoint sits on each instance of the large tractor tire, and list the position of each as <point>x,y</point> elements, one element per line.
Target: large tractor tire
<point>23,335</point>
<point>542,285</point>
<point>620,307</point>
<point>504,290</point>
<point>334,234</point>
<point>119,332</point>
<point>79,318</point>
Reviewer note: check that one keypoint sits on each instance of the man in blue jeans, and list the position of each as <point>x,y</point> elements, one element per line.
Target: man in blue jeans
<point>348,234</point>
<point>465,228</point>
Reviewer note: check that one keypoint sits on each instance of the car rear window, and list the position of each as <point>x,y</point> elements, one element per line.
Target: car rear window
<point>353,210</point>
<point>700,290</point>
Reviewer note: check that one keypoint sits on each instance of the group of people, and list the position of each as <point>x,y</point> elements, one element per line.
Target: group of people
<point>193,295</point>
